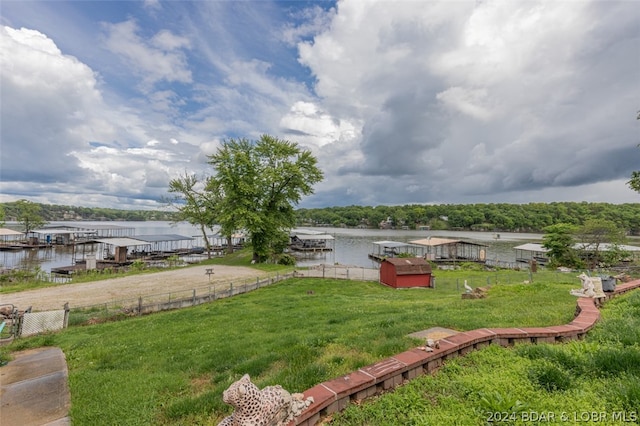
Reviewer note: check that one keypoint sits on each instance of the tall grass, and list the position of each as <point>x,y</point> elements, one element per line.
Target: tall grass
<point>171,368</point>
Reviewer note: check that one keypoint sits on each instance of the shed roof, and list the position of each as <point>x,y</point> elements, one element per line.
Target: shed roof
<point>409,265</point>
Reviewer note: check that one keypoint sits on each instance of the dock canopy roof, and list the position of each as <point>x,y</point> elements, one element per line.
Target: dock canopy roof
<point>7,232</point>
<point>437,241</point>
<point>122,242</point>
<point>60,231</point>
<point>579,246</point>
<point>162,237</point>
<point>531,247</point>
<point>390,244</point>
<point>314,236</point>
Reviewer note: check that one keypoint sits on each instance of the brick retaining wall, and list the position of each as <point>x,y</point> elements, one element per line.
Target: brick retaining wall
<point>334,395</point>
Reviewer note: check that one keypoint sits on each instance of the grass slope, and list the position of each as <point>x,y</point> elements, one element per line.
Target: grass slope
<point>595,381</point>
<point>171,368</point>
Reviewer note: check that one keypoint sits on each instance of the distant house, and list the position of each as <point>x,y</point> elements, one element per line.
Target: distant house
<point>405,272</point>
<point>386,224</point>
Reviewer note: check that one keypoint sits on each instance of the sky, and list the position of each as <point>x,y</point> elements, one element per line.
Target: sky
<point>102,103</point>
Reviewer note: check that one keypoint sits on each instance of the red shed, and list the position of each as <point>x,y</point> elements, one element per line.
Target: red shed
<point>403,272</point>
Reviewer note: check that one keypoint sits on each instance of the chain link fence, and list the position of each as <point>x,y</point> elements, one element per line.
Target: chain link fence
<point>167,301</point>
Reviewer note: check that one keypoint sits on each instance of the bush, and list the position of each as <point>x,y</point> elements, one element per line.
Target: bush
<point>287,259</point>
<point>550,377</point>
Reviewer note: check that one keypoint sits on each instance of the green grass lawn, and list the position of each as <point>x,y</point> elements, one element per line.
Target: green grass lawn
<point>171,368</point>
<point>595,381</point>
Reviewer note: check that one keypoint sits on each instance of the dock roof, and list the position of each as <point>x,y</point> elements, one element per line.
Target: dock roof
<point>579,246</point>
<point>7,232</point>
<point>312,237</point>
<point>438,241</point>
<point>122,241</point>
<point>531,247</point>
<point>156,238</point>
<point>391,244</point>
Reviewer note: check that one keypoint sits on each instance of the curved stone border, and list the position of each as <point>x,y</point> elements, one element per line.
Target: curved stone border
<point>334,395</point>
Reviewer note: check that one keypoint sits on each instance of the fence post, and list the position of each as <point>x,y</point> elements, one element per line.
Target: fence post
<point>323,270</point>
<point>194,298</point>
<point>257,282</point>
<point>231,287</point>
<point>140,305</point>
<point>66,315</point>
<point>347,273</point>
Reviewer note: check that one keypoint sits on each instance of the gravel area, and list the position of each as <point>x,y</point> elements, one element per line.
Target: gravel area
<point>104,291</point>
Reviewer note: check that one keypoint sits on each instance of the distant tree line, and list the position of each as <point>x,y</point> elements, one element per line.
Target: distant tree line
<point>532,217</point>
<point>14,211</point>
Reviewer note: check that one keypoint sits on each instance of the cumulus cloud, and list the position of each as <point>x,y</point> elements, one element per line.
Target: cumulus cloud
<point>160,58</point>
<point>401,101</point>
<point>48,105</point>
<point>482,97</point>
<point>62,140</point>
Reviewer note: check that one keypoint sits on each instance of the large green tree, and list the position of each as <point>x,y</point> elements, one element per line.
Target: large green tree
<point>599,242</point>
<point>558,239</point>
<point>29,215</point>
<point>194,204</point>
<point>256,185</point>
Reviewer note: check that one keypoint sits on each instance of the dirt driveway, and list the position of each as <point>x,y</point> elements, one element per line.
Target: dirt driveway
<point>130,287</point>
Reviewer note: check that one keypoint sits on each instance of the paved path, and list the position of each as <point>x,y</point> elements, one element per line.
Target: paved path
<point>34,389</point>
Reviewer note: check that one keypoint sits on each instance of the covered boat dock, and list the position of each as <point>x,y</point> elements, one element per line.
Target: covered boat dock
<point>385,249</point>
<point>164,245</point>
<point>446,250</point>
<point>526,253</point>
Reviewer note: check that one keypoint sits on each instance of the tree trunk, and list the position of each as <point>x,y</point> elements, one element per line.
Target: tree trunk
<point>206,241</point>
<point>230,244</point>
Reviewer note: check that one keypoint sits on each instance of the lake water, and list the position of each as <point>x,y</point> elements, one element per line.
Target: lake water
<point>351,246</point>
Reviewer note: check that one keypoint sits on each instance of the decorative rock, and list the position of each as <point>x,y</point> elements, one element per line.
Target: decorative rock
<point>591,287</point>
<point>271,406</point>
<point>476,293</point>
